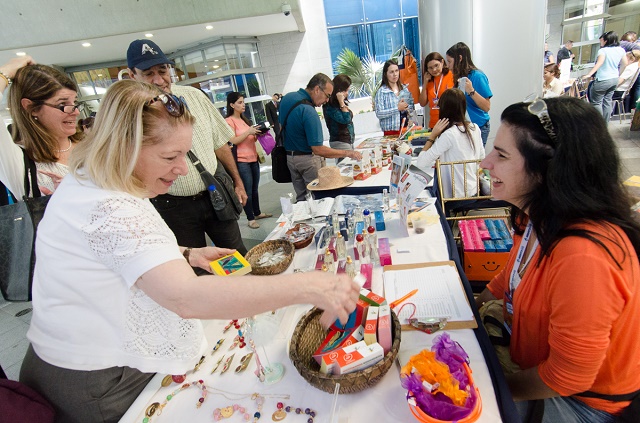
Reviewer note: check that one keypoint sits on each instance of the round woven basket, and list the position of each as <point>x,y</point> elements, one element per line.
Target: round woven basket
<point>306,339</point>
<point>254,254</point>
<point>304,242</point>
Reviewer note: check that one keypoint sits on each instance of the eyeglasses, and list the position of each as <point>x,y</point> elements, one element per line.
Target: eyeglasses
<point>323,92</point>
<point>66,108</point>
<point>174,105</point>
<point>538,107</point>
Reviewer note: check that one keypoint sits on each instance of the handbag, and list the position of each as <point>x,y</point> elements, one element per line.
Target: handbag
<point>18,224</point>
<point>267,142</point>
<point>262,157</point>
<point>279,168</point>
<point>19,403</point>
<point>224,186</point>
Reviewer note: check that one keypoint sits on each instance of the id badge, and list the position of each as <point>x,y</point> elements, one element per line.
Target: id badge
<point>507,309</point>
<point>435,103</point>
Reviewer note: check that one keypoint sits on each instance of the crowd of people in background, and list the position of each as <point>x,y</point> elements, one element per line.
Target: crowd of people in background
<point>132,173</point>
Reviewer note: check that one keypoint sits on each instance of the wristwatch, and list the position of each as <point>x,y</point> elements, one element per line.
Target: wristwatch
<point>472,93</point>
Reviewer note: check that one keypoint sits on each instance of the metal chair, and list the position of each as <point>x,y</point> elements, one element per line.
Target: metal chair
<point>620,102</point>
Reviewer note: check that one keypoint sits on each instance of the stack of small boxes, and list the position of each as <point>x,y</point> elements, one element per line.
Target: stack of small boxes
<point>486,244</point>
<point>362,342</point>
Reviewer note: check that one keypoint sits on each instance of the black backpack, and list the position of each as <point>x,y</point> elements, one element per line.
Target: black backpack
<point>279,168</point>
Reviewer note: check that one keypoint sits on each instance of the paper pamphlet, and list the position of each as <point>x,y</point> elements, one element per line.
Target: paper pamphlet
<point>410,187</point>
<point>302,211</point>
<point>399,166</point>
<point>440,293</point>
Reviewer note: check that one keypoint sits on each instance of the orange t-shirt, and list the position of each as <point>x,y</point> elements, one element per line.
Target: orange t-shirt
<point>577,316</point>
<point>246,149</point>
<point>433,92</point>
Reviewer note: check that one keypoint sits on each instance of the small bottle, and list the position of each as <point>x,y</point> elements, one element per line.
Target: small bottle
<point>335,221</point>
<point>325,268</point>
<point>216,198</point>
<point>328,259</point>
<point>351,227</point>
<point>350,268</point>
<point>341,246</point>
<point>359,244</point>
<point>385,200</point>
<point>367,218</point>
<point>373,237</point>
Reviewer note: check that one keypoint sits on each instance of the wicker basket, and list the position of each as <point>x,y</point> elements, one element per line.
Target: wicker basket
<point>254,254</point>
<point>304,242</point>
<point>306,339</point>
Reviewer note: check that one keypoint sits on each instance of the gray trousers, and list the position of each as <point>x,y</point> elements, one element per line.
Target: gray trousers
<point>303,169</point>
<point>84,396</point>
<point>600,95</point>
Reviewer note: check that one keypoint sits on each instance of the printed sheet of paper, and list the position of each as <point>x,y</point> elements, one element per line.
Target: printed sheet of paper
<point>440,292</point>
<point>301,210</point>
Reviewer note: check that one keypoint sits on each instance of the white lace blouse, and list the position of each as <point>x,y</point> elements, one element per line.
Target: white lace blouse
<point>88,314</point>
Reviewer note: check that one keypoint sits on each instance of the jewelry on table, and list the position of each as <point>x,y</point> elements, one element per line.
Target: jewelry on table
<point>195,369</point>
<point>217,364</point>
<point>233,323</point>
<point>169,379</point>
<point>156,408</point>
<point>227,364</point>
<point>217,345</point>
<point>282,411</point>
<point>223,413</point>
<point>244,362</point>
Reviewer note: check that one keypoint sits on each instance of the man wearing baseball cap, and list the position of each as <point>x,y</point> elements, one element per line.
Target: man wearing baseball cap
<point>187,208</point>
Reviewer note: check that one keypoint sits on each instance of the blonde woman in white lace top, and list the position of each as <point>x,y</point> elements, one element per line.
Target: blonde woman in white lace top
<point>117,301</point>
<point>44,112</point>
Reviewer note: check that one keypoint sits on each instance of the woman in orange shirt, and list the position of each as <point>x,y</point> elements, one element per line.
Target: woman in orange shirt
<point>244,151</point>
<point>571,288</point>
<point>436,80</point>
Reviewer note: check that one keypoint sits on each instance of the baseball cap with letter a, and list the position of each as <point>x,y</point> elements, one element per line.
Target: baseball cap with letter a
<point>144,54</point>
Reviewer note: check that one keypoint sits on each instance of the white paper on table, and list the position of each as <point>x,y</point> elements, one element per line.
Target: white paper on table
<point>302,212</point>
<point>439,293</point>
<point>410,187</point>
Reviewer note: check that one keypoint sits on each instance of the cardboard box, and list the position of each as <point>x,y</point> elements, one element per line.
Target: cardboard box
<point>484,265</point>
<point>371,298</point>
<point>367,271</point>
<point>384,328</point>
<point>361,358</point>
<point>371,326</point>
<point>231,265</point>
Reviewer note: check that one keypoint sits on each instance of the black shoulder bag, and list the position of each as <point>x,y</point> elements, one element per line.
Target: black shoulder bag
<point>279,169</point>
<point>224,185</point>
<point>18,224</point>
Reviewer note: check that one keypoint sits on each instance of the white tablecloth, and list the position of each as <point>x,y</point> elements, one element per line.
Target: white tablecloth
<point>385,402</point>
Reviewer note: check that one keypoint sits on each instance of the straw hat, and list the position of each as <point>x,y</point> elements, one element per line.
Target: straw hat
<point>329,178</point>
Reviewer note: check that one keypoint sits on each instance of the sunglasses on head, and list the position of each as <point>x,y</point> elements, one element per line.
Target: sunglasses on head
<point>174,105</point>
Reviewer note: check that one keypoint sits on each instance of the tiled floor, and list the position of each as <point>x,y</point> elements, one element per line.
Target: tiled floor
<point>13,342</point>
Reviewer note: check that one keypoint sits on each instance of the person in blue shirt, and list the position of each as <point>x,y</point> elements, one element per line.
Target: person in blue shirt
<point>338,116</point>
<point>302,133</point>
<point>477,87</point>
<point>609,65</point>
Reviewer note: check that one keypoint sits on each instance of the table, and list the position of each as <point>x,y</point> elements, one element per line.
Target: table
<point>385,402</point>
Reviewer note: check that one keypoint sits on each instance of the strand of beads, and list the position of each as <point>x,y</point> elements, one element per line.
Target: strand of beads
<point>226,412</point>
<point>156,408</point>
<point>282,411</point>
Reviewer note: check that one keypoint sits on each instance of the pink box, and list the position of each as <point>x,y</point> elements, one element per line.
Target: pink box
<point>332,248</point>
<point>384,251</point>
<point>371,326</point>
<point>319,261</point>
<point>482,229</point>
<point>367,271</point>
<point>384,328</point>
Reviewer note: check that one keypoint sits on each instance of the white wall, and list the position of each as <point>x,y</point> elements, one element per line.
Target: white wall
<point>506,39</point>
<point>292,58</point>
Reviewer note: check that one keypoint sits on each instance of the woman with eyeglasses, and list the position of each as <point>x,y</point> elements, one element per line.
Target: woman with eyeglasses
<point>393,101</point>
<point>246,155</point>
<point>609,65</point>
<point>436,80</point>
<point>44,112</point>
<point>120,301</point>
<point>476,87</point>
<point>571,288</point>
